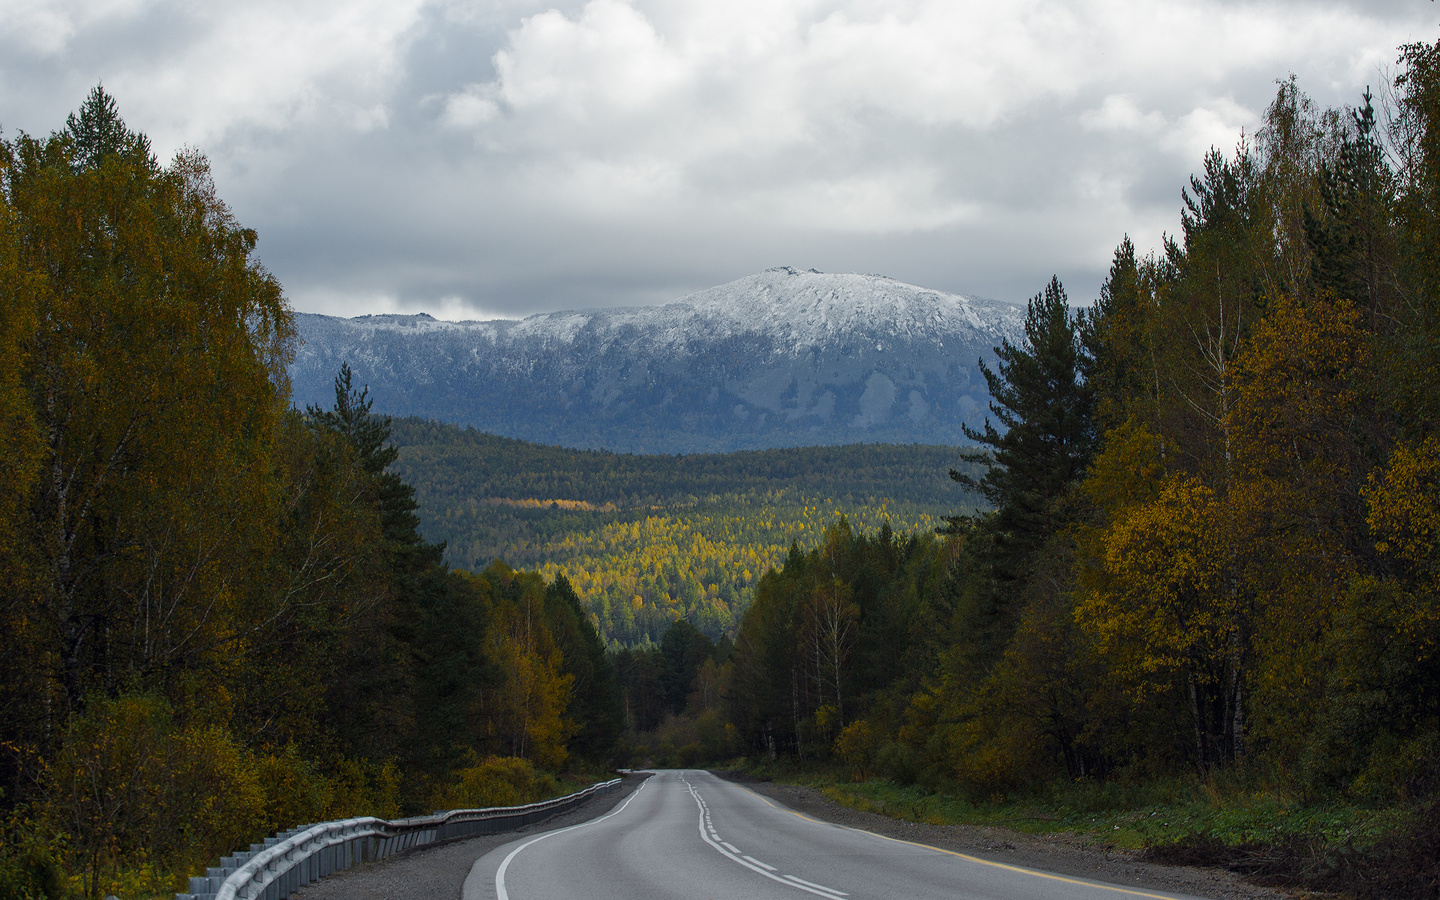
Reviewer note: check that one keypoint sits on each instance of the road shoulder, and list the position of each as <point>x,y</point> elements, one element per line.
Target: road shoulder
<point>1062,854</point>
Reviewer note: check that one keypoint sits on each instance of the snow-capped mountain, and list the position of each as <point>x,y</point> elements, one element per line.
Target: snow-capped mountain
<point>782,358</point>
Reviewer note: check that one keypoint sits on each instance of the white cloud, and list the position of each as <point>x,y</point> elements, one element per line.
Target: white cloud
<point>472,107</point>
<point>802,111</point>
<point>1120,113</point>
<point>265,65</point>
<point>46,28</point>
<point>504,155</point>
<point>609,61</point>
<point>1216,124</point>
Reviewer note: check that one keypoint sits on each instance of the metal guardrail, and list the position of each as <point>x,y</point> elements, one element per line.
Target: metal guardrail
<point>282,864</point>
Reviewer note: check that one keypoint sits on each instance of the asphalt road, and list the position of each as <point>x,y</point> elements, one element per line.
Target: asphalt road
<point>689,834</point>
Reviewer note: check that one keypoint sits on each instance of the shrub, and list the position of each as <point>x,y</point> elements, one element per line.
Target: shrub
<point>494,781</point>
<point>364,788</point>
<point>28,867</point>
<point>856,747</point>
<point>897,762</point>
<point>130,788</point>
<point>296,792</point>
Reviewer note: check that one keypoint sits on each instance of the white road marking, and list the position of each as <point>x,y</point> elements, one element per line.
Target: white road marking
<point>502,894</point>
<point>731,847</point>
<point>817,886</point>
<point>753,865</point>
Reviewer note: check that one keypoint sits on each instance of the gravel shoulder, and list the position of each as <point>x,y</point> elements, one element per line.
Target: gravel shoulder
<point>1061,853</point>
<point>438,872</point>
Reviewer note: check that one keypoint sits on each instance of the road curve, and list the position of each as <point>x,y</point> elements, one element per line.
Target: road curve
<point>689,834</point>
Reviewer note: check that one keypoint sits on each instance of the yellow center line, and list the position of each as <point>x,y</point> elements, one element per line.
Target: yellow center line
<point>967,857</point>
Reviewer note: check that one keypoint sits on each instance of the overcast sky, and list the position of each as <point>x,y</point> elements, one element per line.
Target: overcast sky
<point>482,159</point>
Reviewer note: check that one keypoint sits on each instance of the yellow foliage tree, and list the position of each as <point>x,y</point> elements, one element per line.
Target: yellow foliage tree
<point>154,345</point>
<point>1160,610</point>
<point>1404,505</point>
<point>1404,516</point>
<point>529,703</point>
<point>1293,505</point>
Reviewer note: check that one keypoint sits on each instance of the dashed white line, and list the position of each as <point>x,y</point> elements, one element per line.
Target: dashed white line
<point>750,863</point>
<point>731,847</point>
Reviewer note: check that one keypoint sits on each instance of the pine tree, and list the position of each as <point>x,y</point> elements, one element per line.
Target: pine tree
<point>1352,245</point>
<point>682,650</point>
<point>369,435</point>
<point>1045,406</point>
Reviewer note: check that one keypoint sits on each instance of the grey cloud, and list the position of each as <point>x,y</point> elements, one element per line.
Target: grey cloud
<point>594,184</point>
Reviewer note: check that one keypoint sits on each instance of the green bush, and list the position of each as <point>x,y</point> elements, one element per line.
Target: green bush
<point>28,869</point>
<point>897,762</point>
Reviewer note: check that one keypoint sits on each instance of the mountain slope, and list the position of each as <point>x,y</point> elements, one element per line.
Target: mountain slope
<point>782,358</point>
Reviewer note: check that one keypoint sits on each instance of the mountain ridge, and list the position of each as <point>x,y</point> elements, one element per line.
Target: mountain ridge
<point>780,358</point>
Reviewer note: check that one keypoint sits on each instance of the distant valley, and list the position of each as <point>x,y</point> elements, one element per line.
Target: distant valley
<point>648,539</point>
<point>783,358</point>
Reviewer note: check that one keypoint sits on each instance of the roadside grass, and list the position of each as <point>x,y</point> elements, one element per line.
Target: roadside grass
<point>1130,816</point>
<point>1131,820</point>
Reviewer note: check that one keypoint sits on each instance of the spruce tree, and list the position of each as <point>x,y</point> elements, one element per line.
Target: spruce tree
<point>96,132</point>
<point>1115,335</point>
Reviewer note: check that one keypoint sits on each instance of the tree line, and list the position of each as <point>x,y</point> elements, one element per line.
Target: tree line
<point>217,616</point>
<point>1215,501</point>
<point>447,463</point>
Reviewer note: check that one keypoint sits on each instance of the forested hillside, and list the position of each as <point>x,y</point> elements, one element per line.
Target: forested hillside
<point>218,617</point>
<point>648,539</point>
<point>1216,502</point>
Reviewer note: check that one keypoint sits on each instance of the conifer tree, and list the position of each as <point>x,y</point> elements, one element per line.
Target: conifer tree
<point>96,131</point>
<point>1119,357</point>
<point>369,435</point>
<point>595,698</point>
<point>682,650</point>
<point>1045,407</point>
<point>1351,242</point>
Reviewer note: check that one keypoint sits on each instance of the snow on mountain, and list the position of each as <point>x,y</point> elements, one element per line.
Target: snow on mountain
<point>780,358</point>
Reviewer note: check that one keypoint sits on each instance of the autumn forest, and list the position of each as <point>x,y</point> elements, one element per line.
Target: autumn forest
<point>1195,544</point>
